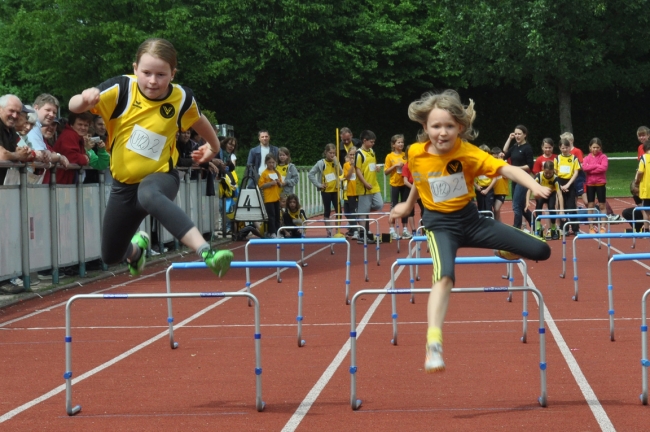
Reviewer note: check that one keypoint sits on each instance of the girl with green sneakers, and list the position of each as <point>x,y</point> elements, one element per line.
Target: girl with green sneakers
<point>143,112</point>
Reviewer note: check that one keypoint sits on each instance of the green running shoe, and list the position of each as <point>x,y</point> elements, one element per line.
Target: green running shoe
<point>218,261</point>
<point>142,240</point>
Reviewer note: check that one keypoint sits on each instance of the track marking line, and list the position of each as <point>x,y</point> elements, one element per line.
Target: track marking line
<point>590,396</point>
<point>14,412</point>
<point>315,391</point>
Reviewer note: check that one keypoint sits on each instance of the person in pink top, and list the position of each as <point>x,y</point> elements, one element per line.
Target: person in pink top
<point>595,167</point>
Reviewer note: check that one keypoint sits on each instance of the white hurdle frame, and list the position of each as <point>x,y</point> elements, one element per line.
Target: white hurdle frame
<point>356,403</point>
<point>73,410</point>
<point>610,285</point>
<point>645,363</point>
<point>634,221</point>
<point>308,224</point>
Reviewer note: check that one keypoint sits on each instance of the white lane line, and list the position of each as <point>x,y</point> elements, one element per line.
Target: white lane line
<point>210,326</point>
<point>592,400</point>
<point>133,350</point>
<point>313,394</point>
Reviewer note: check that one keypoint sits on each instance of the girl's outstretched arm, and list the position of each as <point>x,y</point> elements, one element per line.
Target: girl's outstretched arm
<point>210,149</point>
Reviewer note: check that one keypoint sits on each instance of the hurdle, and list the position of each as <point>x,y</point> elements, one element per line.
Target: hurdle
<point>634,221</point>
<point>302,241</point>
<point>577,216</point>
<point>356,403</point>
<point>608,236</point>
<point>73,410</point>
<point>234,265</point>
<point>645,363</point>
<point>610,286</point>
<point>419,239</point>
<point>365,238</point>
<point>368,218</point>
<point>461,261</point>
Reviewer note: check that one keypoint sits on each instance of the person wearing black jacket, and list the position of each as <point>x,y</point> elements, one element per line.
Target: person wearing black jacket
<point>520,155</point>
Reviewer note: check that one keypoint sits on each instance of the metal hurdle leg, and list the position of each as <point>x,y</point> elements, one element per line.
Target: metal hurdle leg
<point>72,409</point>
<point>645,363</point>
<point>356,403</point>
<point>233,265</point>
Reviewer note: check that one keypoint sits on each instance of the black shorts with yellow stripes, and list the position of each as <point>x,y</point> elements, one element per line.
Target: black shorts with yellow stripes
<point>447,232</point>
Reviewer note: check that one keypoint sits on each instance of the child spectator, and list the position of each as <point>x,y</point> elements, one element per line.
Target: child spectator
<point>365,162</point>
<point>642,181</point>
<point>581,193</point>
<point>287,170</point>
<point>567,168</point>
<point>408,182</point>
<point>350,198</point>
<point>547,155</point>
<point>630,214</point>
<point>547,178</point>
<point>398,191</point>
<point>444,165</point>
<point>325,176</point>
<point>271,185</point>
<point>595,167</point>
<point>500,187</point>
<point>642,134</point>
<point>484,188</point>
<point>293,215</point>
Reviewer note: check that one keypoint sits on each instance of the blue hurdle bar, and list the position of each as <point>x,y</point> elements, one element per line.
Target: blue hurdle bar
<point>235,265</point>
<point>308,224</point>
<point>303,241</point>
<point>536,213</point>
<point>420,239</point>
<point>302,247</point>
<point>641,208</point>
<point>608,236</point>
<point>462,261</point>
<point>365,240</point>
<point>610,286</point>
<point>72,410</point>
<point>577,216</point>
<point>356,403</point>
<point>645,363</point>
<point>368,218</point>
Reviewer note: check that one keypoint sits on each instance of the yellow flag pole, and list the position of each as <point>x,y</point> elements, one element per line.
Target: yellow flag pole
<point>338,184</point>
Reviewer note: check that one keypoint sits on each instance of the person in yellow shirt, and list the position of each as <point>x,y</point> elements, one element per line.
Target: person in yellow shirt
<point>325,176</point>
<point>393,165</point>
<point>365,163</point>
<point>501,187</point>
<point>143,112</point>
<point>567,167</point>
<point>642,181</point>
<point>444,165</point>
<point>350,198</point>
<point>270,183</point>
<point>547,178</point>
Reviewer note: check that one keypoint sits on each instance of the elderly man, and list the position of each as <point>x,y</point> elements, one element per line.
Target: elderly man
<point>10,109</point>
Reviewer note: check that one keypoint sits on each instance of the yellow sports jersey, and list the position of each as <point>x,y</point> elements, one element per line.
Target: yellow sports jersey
<point>392,159</point>
<point>644,186</point>
<point>298,214</point>
<point>271,193</point>
<point>565,166</point>
<point>329,176</point>
<point>483,181</point>
<point>141,131</point>
<point>351,190</point>
<point>501,186</point>
<point>282,170</point>
<point>366,161</point>
<point>553,184</point>
<point>445,182</point>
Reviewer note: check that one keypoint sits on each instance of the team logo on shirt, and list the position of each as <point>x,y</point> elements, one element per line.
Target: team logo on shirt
<point>454,167</point>
<point>167,110</point>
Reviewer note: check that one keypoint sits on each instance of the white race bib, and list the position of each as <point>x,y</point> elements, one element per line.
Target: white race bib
<point>372,167</point>
<point>483,177</point>
<point>330,177</point>
<point>353,176</point>
<point>565,169</point>
<point>448,187</point>
<point>146,143</point>
<point>273,176</point>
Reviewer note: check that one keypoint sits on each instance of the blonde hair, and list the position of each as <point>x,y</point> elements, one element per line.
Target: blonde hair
<point>448,100</point>
<point>328,147</point>
<point>286,152</point>
<point>394,139</point>
<point>567,135</point>
<point>485,148</point>
<point>159,48</point>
